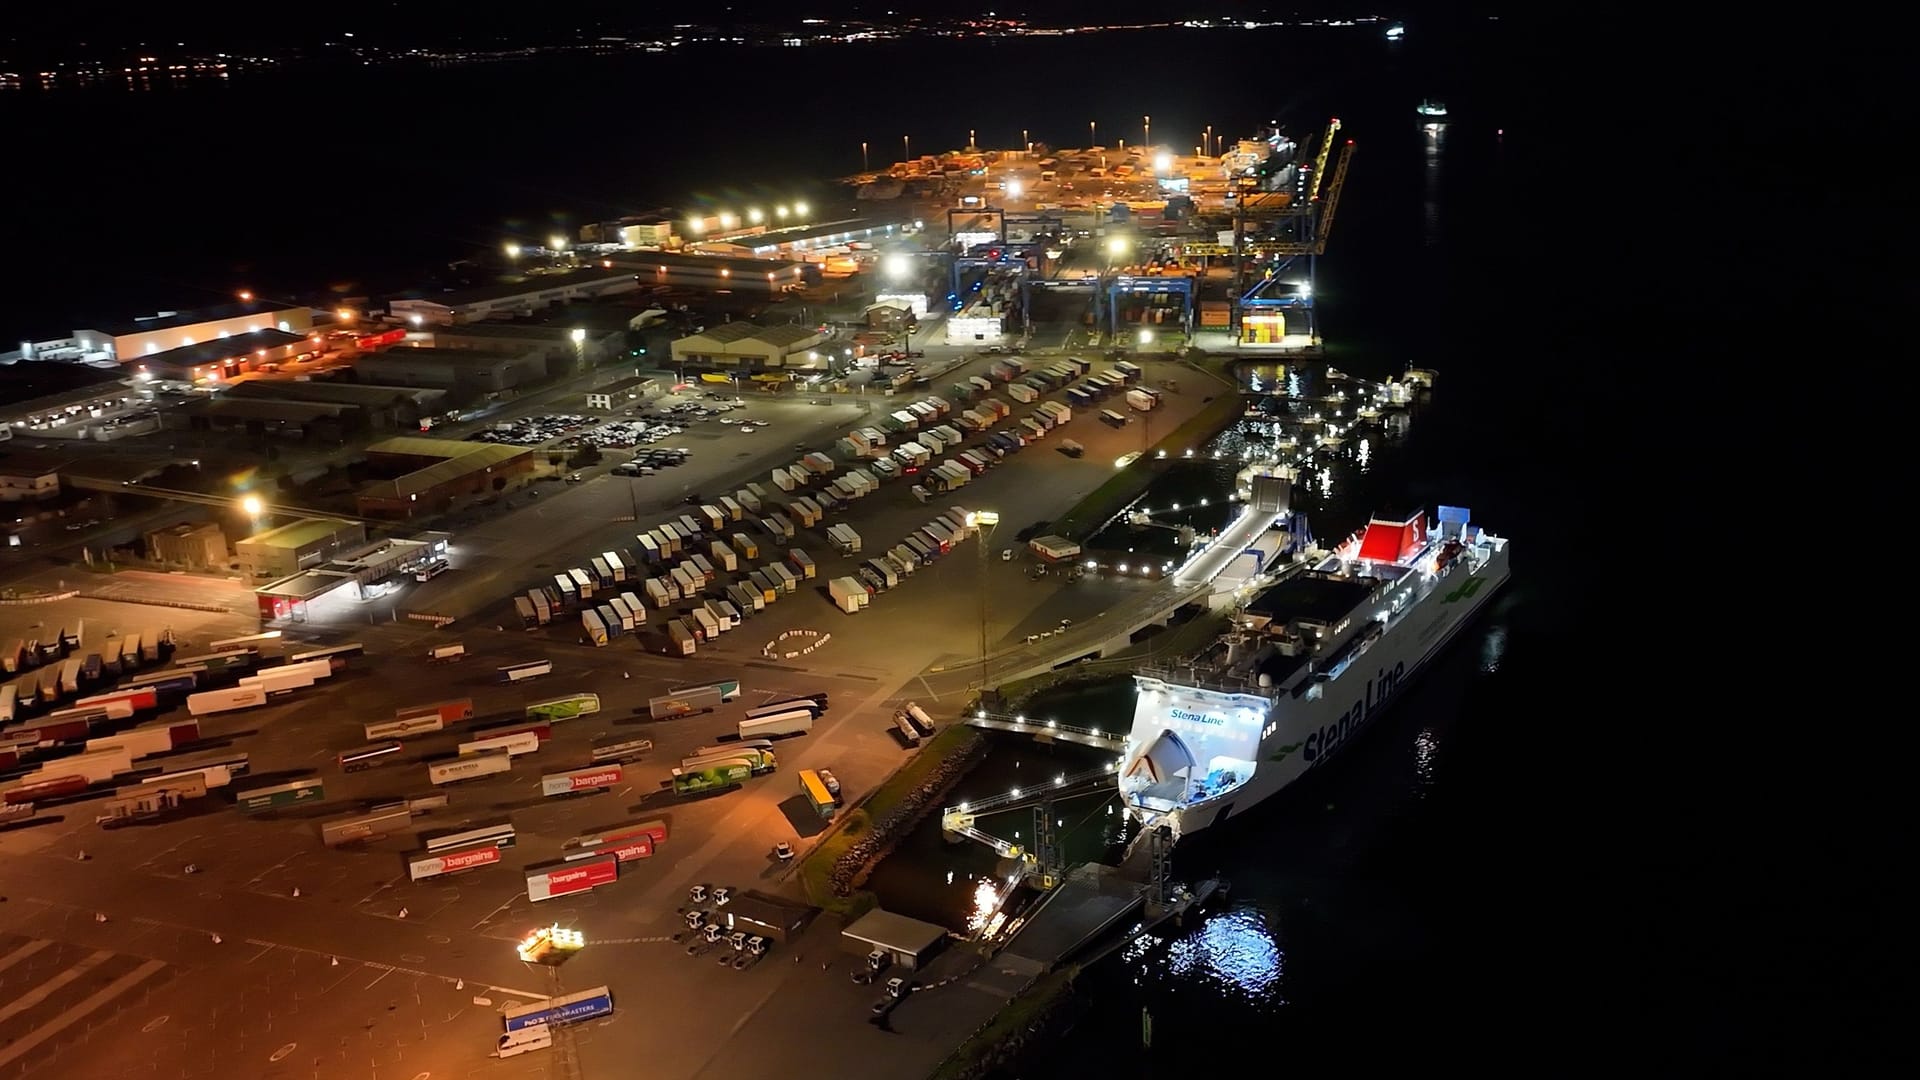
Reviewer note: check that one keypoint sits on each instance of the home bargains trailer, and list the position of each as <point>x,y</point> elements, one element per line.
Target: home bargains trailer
<point>424,865</point>
<point>592,778</point>
<point>567,878</point>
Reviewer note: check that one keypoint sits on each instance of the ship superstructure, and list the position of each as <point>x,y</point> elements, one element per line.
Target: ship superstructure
<point>1309,661</point>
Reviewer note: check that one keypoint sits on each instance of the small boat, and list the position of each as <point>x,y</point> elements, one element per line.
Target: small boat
<point>1432,109</point>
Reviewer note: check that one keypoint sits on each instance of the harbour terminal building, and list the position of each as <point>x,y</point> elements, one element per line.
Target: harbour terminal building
<point>717,273</point>
<point>126,342</point>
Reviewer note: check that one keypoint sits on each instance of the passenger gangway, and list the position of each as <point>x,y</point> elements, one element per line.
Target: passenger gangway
<point>959,820</point>
<point>1050,730</point>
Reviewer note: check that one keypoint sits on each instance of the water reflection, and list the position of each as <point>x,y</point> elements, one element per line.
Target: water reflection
<point>1493,647</point>
<point>1235,952</point>
<point>1435,138</point>
<point>1426,748</point>
<point>986,902</point>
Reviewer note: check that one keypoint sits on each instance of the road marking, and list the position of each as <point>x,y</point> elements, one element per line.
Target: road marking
<point>488,917</point>
<point>22,953</point>
<point>376,982</point>
<point>45,990</point>
<point>264,951</point>
<point>928,689</point>
<point>49,1028</point>
<point>394,967</point>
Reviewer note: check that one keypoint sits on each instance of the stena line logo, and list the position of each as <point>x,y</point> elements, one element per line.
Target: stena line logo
<point>1196,717</point>
<point>1322,743</point>
<point>1465,591</point>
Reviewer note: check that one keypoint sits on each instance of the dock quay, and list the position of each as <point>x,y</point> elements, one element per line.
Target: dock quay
<point>1092,900</point>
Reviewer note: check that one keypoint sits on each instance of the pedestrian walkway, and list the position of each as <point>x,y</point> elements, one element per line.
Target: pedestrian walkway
<point>50,990</point>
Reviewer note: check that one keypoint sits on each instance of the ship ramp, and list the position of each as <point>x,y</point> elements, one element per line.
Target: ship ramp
<point>1092,900</point>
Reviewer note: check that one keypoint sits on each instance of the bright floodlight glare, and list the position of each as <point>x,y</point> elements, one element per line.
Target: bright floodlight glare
<point>1163,163</point>
<point>557,242</point>
<point>726,221</point>
<point>578,335</point>
<point>1146,336</point>
<point>780,212</point>
<point>754,215</point>
<point>245,295</point>
<point>800,209</point>
<point>694,226</point>
<point>1013,189</point>
<point>513,251</point>
<point>252,505</point>
<point>1117,245</point>
<point>897,266</point>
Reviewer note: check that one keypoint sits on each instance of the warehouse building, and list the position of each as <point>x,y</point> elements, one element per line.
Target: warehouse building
<point>225,357</point>
<point>69,412</point>
<point>29,477</point>
<point>477,370</point>
<point>169,330</point>
<point>287,419</point>
<point>292,548</point>
<point>564,348</point>
<point>371,407</point>
<point>744,347</point>
<point>189,546</point>
<point>512,300</point>
<point>717,272</point>
<point>426,475</point>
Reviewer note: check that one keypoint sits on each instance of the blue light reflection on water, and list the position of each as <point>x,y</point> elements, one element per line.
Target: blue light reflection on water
<point>1235,954</point>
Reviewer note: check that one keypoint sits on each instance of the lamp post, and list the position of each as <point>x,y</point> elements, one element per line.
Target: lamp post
<point>864,167</point>
<point>906,148</point>
<point>1146,122</point>
<point>983,522</point>
<point>1092,140</point>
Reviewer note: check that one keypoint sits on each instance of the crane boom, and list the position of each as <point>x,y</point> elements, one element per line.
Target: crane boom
<point>1320,158</point>
<point>1333,199</point>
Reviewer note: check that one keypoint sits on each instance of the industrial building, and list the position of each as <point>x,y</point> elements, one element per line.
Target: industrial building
<point>364,406</point>
<point>717,272</point>
<point>291,548</point>
<point>426,475</point>
<point>564,348</point>
<point>626,392</point>
<point>72,413</point>
<point>189,546</point>
<point>768,916</point>
<point>225,357</point>
<point>474,370</point>
<point>796,242</point>
<point>298,596</point>
<point>29,477</point>
<point>908,942</point>
<point>512,300</point>
<point>143,337</point>
<point>744,347</point>
<point>260,417</point>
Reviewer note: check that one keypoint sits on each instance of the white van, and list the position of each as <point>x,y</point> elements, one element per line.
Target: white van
<point>514,1043</point>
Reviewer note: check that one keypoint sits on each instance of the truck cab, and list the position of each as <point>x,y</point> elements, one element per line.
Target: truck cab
<point>879,960</point>
<point>515,1043</point>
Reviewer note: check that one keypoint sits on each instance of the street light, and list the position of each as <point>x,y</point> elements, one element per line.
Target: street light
<point>1147,123</point>
<point>727,220</point>
<point>1092,139</point>
<point>863,157</point>
<point>1117,245</point>
<point>557,242</point>
<point>754,215</point>
<point>983,522</point>
<point>246,296</point>
<point>780,212</point>
<point>799,209</point>
<point>252,505</point>
<point>1013,189</point>
<point>513,250</point>
<point>694,226</point>
<point>1163,163</point>
<point>898,266</point>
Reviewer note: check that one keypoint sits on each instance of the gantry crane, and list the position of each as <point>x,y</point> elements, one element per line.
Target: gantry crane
<point>1315,225</point>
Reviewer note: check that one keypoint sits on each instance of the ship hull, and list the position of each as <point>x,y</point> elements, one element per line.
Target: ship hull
<point>1302,734</point>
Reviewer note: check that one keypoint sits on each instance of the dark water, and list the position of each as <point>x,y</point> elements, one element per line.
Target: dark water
<point>1530,861</point>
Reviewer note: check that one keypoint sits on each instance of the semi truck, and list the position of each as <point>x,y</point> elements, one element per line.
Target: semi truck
<point>714,776</point>
<point>684,703</point>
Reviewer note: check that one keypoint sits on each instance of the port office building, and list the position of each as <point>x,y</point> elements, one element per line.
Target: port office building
<point>514,299</point>
<point>716,273</point>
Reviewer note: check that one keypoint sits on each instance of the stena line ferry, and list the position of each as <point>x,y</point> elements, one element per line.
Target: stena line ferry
<point>1308,663</point>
